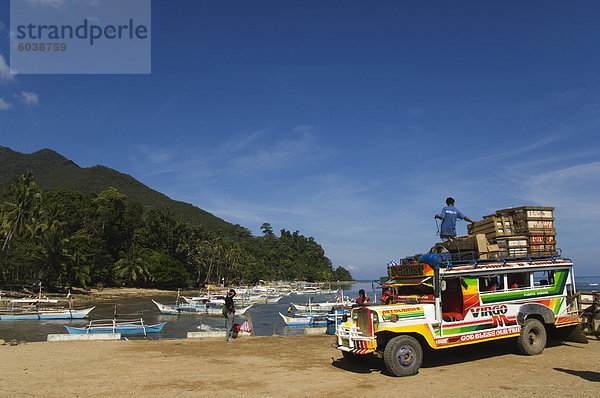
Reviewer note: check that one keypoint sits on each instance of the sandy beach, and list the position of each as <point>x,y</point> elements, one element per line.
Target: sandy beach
<point>294,366</point>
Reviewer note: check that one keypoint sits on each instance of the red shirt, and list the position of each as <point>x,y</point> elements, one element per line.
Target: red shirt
<point>361,300</point>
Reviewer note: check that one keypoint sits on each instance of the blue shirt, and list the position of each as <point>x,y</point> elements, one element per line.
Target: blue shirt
<point>450,215</point>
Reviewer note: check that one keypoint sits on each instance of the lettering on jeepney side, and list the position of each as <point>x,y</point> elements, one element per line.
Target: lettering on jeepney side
<point>401,310</point>
<point>484,312</point>
<point>490,334</point>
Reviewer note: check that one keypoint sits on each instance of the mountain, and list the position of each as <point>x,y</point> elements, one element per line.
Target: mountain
<point>52,170</point>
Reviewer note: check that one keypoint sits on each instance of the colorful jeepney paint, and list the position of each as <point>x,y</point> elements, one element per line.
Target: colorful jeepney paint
<point>469,303</point>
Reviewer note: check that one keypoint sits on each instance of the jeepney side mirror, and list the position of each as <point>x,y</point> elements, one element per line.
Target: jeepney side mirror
<point>463,283</point>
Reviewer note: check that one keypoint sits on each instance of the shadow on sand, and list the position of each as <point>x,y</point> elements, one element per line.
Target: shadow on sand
<point>450,356</point>
<point>584,374</point>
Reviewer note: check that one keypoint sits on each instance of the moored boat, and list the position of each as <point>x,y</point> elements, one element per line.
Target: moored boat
<point>128,327</point>
<point>313,319</point>
<point>38,308</point>
<point>308,320</point>
<point>195,309</point>
<point>18,313</point>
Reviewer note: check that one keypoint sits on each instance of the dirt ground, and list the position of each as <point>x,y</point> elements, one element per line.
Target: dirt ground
<point>290,366</point>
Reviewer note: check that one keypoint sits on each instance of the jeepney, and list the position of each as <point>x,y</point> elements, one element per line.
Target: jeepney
<point>441,301</point>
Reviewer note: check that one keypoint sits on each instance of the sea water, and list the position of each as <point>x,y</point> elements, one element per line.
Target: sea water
<point>265,317</point>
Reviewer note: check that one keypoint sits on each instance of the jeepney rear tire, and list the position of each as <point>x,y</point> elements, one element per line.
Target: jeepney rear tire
<point>403,356</point>
<point>533,337</point>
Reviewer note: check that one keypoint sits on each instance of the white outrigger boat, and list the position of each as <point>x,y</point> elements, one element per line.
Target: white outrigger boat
<point>30,309</point>
<point>182,308</point>
<point>339,301</point>
<point>37,308</point>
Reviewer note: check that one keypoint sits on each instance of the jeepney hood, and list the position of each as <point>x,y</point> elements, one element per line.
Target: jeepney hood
<point>404,312</point>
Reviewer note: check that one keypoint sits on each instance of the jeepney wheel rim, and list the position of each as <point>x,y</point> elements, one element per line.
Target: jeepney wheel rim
<point>406,356</point>
<point>534,337</point>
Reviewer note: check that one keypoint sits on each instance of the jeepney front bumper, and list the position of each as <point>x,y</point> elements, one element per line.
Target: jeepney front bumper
<point>351,339</point>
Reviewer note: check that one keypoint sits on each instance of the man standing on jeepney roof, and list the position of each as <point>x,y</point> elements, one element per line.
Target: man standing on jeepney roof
<point>449,215</point>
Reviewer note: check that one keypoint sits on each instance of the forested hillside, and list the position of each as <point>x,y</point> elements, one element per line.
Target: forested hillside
<point>53,171</point>
<point>68,238</point>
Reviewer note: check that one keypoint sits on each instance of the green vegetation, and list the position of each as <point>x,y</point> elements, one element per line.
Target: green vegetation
<point>53,171</point>
<point>67,238</point>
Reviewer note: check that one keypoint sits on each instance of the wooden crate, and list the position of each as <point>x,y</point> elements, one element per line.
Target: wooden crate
<point>519,229</point>
<point>529,212</point>
<point>513,242</point>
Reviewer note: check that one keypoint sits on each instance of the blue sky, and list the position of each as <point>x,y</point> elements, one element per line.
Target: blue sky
<point>350,121</point>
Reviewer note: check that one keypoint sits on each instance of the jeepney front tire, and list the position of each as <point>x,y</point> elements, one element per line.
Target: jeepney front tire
<point>403,356</point>
<point>533,337</point>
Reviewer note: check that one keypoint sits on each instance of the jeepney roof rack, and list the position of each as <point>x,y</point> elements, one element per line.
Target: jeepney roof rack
<point>451,260</point>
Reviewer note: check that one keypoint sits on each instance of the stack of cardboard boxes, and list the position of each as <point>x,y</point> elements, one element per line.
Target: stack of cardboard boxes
<point>517,231</point>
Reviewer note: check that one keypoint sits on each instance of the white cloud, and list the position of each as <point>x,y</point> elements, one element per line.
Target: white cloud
<point>5,72</point>
<point>4,105</point>
<point>573,189</point>
<point>415,111</point>
<point>48,3</point>
<point>298,148</point>
<point>28,98</point>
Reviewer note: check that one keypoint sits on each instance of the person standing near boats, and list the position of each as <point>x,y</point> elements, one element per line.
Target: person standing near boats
<point>230,307</point>
<point>449,215</point>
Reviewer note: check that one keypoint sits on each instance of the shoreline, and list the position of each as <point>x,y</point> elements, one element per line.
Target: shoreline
<point>290,366</point>
<point>110,293</point>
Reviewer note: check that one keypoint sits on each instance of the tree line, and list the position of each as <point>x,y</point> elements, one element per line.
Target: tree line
<point>68,238</point>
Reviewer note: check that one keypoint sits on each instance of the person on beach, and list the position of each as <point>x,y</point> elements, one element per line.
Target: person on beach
<point>449,215</point>
<point>230,306</point>
<point>362,298</point>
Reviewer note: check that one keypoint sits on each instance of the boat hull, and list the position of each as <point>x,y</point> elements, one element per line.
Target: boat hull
<point>44,314</point>
<point>313,320</point>
<point>123,329</point>
<point>189,309</point>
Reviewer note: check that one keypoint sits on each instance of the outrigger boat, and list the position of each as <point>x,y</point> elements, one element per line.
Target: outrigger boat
<point>328,306</point>
<point>181,308</point>
<point>31,309</point>
<point>307,320</point>
<point>313,319</point>
<point>33,313</point>
<point>128,327</point>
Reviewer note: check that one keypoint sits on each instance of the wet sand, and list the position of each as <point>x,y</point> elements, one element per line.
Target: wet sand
<point>289,366</point>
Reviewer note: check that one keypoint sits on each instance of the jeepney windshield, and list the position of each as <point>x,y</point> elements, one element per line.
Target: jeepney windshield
<point>407,290</point>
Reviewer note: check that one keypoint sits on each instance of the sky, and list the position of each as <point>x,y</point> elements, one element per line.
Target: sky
<point>349,121</point>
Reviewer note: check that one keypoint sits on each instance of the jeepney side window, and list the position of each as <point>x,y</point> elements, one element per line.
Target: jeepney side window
<point>518,280</point>
<point>543,278</point>
<point>491,283</point>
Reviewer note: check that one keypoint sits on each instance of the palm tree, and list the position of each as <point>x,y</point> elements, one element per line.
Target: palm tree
<point>211,254</point>
<point>53,252</point>
<point>132,267</point>
<point>18,212</point>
